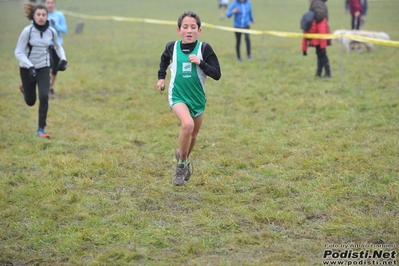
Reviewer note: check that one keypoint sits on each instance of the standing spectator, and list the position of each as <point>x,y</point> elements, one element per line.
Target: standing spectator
<point>364,11</point>
<point>57,21</point>
<point>319,25</point>
<point>242,11</point>
<point>222,8</point>
<point>357,9</point>
<point>33,56</point>
<point>192,62</point>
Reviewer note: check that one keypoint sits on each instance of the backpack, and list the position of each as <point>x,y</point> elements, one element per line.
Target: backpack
<point>307,20</point>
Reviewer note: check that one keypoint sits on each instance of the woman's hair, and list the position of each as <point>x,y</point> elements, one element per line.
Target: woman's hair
<point>189,14</point>
<point>30,9</point>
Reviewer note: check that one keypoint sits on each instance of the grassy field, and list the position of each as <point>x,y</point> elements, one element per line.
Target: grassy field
<point>285,164</point>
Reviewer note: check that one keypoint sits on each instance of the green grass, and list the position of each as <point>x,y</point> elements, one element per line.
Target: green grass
<point>284,163</point>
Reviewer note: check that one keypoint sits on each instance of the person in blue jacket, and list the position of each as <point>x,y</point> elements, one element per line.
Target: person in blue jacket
<point>242,11</point>
<point>58,22</point>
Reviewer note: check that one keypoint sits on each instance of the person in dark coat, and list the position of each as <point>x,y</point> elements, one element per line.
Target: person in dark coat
<point>319,25</point>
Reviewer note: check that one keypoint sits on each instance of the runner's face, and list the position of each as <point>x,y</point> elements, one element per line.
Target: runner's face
<point>189,30</point>
<point>40,16</point>
<point>50,4</point>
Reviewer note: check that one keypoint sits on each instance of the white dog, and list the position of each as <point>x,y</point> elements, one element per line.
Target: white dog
<point>348,43</point>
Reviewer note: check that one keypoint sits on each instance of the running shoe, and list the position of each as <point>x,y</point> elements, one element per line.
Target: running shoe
<point>189,172</point>
<point>180,175</point>
<point>42,134</point>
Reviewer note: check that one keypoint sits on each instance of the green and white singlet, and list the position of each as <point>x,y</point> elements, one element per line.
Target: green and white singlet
<point>187,82</point>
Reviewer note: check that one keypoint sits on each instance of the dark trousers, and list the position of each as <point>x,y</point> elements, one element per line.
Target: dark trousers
<point>356,22</point>
<point>238,42</point>
<point>54,60</point>
<point>43,82</point>
<point>322,62</point>
<point>321,53</point>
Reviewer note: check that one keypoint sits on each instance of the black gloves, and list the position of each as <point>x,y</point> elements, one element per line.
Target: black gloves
<point>305,53</point>
<point>62,66</point>
<point>32,72</point>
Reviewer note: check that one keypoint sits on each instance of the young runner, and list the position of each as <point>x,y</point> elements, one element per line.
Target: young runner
<point>192,61</point>
<point>33,56</point>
